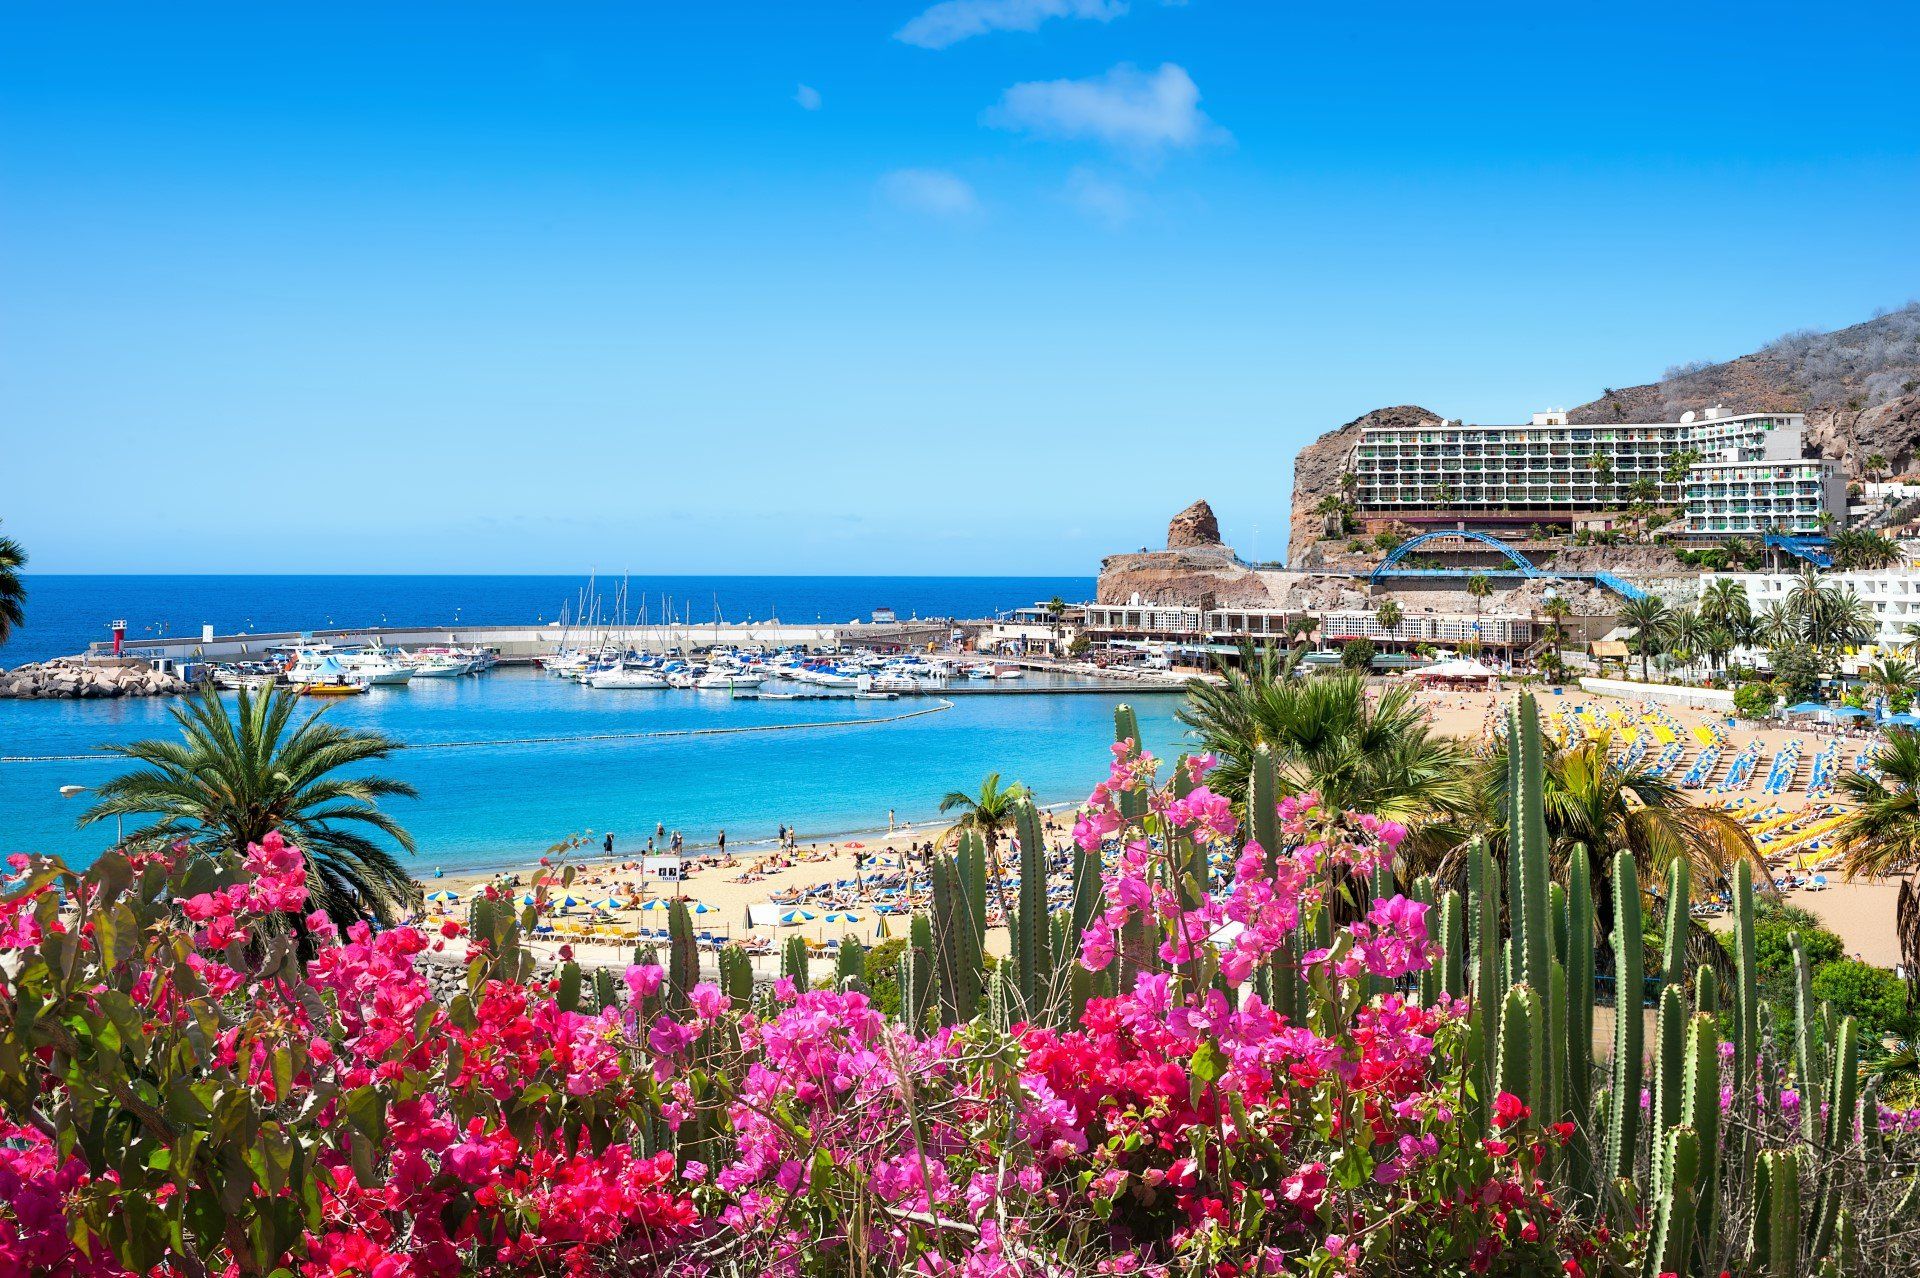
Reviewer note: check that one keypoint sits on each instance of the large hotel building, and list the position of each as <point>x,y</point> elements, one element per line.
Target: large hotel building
<point>1746,474</point>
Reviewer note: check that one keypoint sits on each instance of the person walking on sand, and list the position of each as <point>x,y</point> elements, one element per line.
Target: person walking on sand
<point>889,821</point>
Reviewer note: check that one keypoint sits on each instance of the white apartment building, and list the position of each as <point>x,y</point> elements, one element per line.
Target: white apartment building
<point>1892,593</point>
<point>1234,625</point>
<point>1550,471</point>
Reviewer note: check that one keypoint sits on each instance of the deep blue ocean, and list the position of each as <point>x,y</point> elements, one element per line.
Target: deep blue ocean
<point>510,762</point>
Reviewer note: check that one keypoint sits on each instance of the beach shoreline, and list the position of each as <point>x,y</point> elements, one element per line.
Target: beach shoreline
<point>756,871</point>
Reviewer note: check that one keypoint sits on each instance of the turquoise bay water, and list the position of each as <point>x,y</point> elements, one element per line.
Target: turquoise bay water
<point>504,772</point>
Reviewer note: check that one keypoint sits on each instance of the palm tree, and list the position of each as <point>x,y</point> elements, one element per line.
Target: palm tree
<point>1718,643</point>
<point>989,814</point>
<point>1327,735</point>
<point>1652,622</point>
<point>1888,676</point>
<point>13,592</point>
<point>1388,616</point>
<point>1882,833</point>
<point>1479,585</point>
<point>1724,603</point>
<point>1684,635</point>
<point>231,781</point>
<point>1557,609</point>
<point>1595,805</point>
<point>1875,465</point>
<point>1774,626</point>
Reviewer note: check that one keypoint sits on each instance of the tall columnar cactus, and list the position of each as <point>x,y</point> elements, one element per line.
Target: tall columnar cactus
<point>1669,1249</point>
<point>736,974</point>
<point>915,973</point>
<point>1452,967</point>
<point>1700,1113</point>
<point>970,866</point>
<point>1782,1212</point>
<point>1032,936</point>
<point>1579,1008</point>
<point>1126,731</point>
<point>794,962</point>
<point>1669,1063</point>
<point>1673,960</point>
<point>1489,991</point>
<point>1746,1009</point>
<point>1529,903</point>
<point>1001,997</point>
<point>683,955</point>
<point>1523,1039</point>
<point>958,962</point>
<point>1808,1058</point>
<point>1842,1112</point>
<point>567,996</point>
<point>1629,966</point>
<point>850,967</point>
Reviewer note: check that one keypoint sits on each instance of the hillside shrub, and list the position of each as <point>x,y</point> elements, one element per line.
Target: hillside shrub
<point>1873,996</point>
<point>1754,700</point>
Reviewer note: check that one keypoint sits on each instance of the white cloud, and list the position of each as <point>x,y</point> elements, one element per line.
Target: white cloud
<point>933,191</point>
<point>1100,198</point>
<point>1126,108</point>
<point>808,97</point>
<point>952,21</point>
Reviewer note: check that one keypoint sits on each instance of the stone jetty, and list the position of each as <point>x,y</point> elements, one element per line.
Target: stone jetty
<point>67,677</point>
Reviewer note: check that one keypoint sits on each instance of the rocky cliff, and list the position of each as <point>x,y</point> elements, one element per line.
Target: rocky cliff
<point>1858,386</point>
<point>1316,472</point>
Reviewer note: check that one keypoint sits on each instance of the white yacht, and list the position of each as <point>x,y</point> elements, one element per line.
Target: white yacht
<point>626,676</point>
<point>377,667</point>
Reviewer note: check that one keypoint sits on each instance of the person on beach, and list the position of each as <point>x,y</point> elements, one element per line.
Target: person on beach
<point>723,843</point>
<point>608,845</point>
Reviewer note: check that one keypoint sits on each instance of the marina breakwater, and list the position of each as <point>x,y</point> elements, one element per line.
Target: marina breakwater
<point>523,645</point>
<point>88,680</point>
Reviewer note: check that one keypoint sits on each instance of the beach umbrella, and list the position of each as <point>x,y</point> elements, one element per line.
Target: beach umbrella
<point>607,904</point>
<point>443,895</point>
<point>797,916</point>
<point>529,899</point>
<point>880,931</point>
<point>568,903</point>
<point>657,903</point>
<point>843,916</point>
<point>701,907</point>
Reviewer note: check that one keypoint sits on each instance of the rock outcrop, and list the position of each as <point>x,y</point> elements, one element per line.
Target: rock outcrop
<point>1196,567</point>
<point>1193,527</point>
<point>71,678</point>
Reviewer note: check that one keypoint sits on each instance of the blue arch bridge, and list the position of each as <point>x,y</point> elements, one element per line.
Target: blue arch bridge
<point>1395,565</point>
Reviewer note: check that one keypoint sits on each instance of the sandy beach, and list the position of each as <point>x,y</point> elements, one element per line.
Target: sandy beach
<point>1861,913</point>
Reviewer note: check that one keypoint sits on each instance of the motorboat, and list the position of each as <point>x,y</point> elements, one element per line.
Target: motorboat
<point>627,676</point>
<point>724,679</point>
<point>376,666</point>
<point>350,688</point>
<point>437,666</point>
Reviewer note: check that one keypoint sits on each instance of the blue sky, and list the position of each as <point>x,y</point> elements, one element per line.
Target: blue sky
<point>987,287</point>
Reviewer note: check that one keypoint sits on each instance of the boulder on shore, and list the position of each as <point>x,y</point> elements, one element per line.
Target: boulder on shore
<point>78,678</point>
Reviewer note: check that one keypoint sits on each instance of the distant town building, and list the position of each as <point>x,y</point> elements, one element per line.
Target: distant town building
<point>1224,629</point>
<point>1745,474</point>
